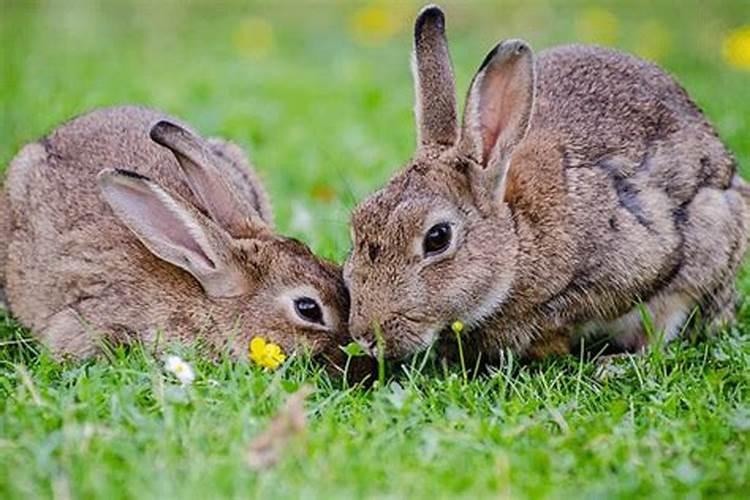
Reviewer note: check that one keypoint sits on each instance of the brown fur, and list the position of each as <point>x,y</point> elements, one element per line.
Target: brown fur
<point>243,177</point>
<point>618,191</point>
<point>77,275</point>
<point>433,70</point>
<point>6,225</point>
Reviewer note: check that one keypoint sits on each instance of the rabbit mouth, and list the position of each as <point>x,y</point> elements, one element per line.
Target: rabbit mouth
<point>411,340</point>
<point>400,336</point>
<point>417,340</point>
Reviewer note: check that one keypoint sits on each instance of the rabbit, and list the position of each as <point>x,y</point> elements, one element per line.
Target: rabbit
<point>582,188</point>
<point>123,225</point>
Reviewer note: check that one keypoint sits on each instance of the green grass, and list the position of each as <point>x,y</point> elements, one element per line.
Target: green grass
<point>327,117</point>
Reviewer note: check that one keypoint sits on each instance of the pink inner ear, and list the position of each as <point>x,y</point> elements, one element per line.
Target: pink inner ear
<point>153,221</point>
<point>494,114</point>
<point>503,103</point>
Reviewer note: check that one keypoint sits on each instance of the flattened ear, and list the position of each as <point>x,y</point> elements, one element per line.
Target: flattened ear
<point>434,83</point>
<point>243,177</point>
<point>217,194</point>
<point>174,231</point>
<point>499,108</point>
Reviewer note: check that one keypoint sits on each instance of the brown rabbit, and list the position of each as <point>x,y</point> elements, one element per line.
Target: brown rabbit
<point>581,183</point>
<point>179,244</point>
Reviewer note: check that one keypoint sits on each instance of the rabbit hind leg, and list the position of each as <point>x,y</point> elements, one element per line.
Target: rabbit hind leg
<point>67,335</point>
<point>713,229</point>
<point>663,317</point>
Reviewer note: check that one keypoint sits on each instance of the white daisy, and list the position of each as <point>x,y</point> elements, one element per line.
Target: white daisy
<point>180,369</point>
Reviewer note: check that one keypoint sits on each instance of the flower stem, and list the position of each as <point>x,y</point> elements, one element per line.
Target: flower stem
<point>457,328</point>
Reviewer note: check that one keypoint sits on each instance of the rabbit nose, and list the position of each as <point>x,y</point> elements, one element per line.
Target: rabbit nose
<point>363,333</point>
<point>369,346</point>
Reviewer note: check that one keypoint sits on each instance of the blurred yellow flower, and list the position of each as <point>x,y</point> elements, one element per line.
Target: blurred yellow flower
<point>266,354</point>
<point>597,25</point>
<point>374,24</point>
<point>253,37</point>
<point>736,48</point>
<point>654,40</point>
<point>323,192</point>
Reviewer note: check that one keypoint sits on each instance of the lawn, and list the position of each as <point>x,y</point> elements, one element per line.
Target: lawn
<point>320,94</point>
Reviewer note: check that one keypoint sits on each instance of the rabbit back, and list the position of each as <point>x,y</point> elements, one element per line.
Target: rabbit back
<point>603,102</point>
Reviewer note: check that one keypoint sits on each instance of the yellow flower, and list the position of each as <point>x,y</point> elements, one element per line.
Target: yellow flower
<point>374,24</point>
<point>253,37</point>
<point>736,47</point>
<point>457,327</point>
<point>266,354</point>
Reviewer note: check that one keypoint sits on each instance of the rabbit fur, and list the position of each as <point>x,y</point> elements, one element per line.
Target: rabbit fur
<point>581,183</point>
<point>124,225</point>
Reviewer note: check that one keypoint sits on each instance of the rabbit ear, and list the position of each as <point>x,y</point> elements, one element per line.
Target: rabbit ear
<point>499,108</point>
<point>243,178</point>
<point>174,231</point>
<point>434,82</point>
<point>218,196</point>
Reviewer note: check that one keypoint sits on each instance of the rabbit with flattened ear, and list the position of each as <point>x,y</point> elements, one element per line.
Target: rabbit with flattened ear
<point>176,240</point>
<point>581,183</point>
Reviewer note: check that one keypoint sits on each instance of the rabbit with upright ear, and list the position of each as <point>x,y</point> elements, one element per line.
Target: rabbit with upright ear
<point>581,183</point>
<point>125,225</point>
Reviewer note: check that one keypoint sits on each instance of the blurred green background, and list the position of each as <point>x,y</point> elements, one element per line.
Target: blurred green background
<point>320,93</point>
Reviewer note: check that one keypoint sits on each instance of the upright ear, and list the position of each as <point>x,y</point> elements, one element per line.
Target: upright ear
<point>434,82</point>
<point>216,193</point>
<point>174,231</point>
<point>498,110</point>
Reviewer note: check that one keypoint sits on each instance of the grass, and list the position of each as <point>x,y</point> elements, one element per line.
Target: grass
<point>323,103</point>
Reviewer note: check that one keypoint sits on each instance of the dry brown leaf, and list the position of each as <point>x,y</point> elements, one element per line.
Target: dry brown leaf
<point>266,448</point>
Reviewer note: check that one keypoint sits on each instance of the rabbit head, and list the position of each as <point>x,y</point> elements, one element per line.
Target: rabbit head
<point>252,279</point>
<point>426,246</point>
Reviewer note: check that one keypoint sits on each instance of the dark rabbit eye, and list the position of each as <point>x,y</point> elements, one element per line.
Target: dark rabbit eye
<point>437,239</point>
<point>309,310</point>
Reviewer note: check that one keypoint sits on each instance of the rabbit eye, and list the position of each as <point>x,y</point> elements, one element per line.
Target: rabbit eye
<point>437,239</point>
<point>309,310</point>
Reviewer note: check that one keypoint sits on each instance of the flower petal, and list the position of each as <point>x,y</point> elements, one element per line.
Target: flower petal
<point>257,345</point>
